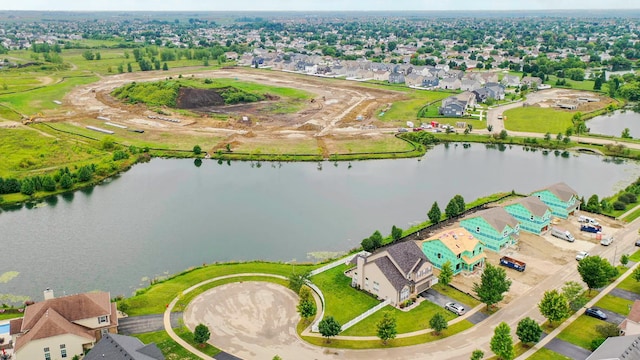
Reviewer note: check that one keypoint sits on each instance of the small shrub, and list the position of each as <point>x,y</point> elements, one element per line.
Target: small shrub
<point>619,205</point>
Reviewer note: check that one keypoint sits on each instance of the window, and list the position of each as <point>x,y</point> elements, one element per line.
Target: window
<point>47,354</point>
<point>63,353</point>
<point>102,319</point>
<point>531,218</point>
<point>477,228</point>
<point>46,349</point>
<point>376,286</point>
<point>104,331</point>
<point>404,295</point>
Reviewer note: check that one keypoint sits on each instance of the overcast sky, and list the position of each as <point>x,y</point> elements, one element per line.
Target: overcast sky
<point>310,5</point>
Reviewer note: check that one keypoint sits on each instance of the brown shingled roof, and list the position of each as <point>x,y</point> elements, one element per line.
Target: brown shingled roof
<point>72,308</point>
<point>52,324</point>
<point>534,205</point>
<point>498,218</point>
<point>562,191</point>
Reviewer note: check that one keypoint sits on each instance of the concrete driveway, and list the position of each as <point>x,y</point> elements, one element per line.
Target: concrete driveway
<point>146,323</point>
<point>568,349</point>
<point>613,317</point>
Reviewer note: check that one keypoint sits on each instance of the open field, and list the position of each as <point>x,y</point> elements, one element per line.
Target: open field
<point>407,110</point>
<point>581,331</point>
<point>540,120</point>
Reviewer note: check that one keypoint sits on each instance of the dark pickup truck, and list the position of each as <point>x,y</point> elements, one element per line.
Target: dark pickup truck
<point>512,263</point>
<point>590,228</point>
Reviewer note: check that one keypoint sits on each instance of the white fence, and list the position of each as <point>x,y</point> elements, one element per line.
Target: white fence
<point>344,260</point>
<point>365,314</point>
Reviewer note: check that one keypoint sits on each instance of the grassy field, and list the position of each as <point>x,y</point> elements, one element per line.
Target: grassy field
<point>615,304</point>
<point>32,153</point>
<point>408,109</point>
<point>386,144</point>
<point>282,146</point>
<point>36,100</point>
<point>170,348</point>
<point>546,354</point>
<point>407,321</point>
<point>153,300</point>
<point>342,301</point>
<point>372,344</point>
<point>187,336</point>
<point>539,120</point>
<point>630,284</point>
<point>457,295</point>
<point>581,331</point>
<point>578,85</point>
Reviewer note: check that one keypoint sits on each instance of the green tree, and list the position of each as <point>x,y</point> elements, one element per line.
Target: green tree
<point>595,271</point>
<point>593,204</point>
<point>624,259</point>
<point>446,273</point>
<point>528,331</point>
<point>307,308</point>
<point>572,291</point>
<point>367,245</point>
<point>493,284</point>
<point>276,358</point>
<point>329,327</point>
<point>438,323</point>
<point>396,233</point>
<point>489,128</point>
<point>547,137</point>
<point>477,355</point>
<point>48,184</point>
<point>636,274</point>
<point>27,187</point>
<point>129,67</point>
<point>460,203</point>
<point>554,306</point>
<point>503,134</point>
<point>165,67</point>
<point>452,209</point>
<point>376,239</point>
<point>85,174</point>
<point>559,137</point>
<point>66,182</point>
<point>387,327</point>
<point>502,343</point>
<point>120,68</point>
<point>296,280</point>
<point>626,134</point>
<point>201,334</point>
<point>197,150</point>
<point>434,214</point>
<point>608,330</point>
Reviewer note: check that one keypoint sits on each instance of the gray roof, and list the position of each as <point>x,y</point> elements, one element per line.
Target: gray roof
<point>562,191</point>
<point>618,348</point>
<point>407,255</point>
<point>120,347</point>
<point>534,205</point>
<point>498,218</point>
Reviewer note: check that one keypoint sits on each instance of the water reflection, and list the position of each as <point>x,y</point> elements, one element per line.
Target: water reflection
<point>68,196</point>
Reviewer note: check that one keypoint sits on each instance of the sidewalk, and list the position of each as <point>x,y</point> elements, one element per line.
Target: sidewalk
<point>578,313</point>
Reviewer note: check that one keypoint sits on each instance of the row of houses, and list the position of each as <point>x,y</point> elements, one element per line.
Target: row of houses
<point>405,269</point>
<point>457,105</point>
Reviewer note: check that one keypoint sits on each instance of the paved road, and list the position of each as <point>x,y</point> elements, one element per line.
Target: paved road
<point>146,323</point>
<point>568,349</point>
<point>613,317</point>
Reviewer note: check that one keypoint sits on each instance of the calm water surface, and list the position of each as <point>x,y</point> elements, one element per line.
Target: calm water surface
<point>167,215</point>
<point>613,124</point>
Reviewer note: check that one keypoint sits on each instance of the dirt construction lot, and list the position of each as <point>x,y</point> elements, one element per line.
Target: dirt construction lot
<point>544,255</point>
<point>336,108</point>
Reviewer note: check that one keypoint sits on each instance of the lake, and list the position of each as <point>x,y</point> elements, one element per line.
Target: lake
<point>613,124</point>
<point>167,215</point>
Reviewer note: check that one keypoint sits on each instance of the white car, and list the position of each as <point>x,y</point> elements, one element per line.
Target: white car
<point>581,255</point>
<point>455,308</point>
<point>606,241</point>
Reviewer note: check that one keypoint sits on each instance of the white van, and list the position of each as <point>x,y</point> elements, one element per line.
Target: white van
<point>562,234</point>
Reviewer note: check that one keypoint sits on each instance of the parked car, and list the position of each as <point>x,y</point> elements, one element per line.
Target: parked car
<point>581,255</point>
<point>590,228</point>
<point>606,241</point>
<point>403,130</point>
<point>596,313</point>
<point>638,242</point>
<point>455,308</point>
<point>562,234</point>
<point>588,220</point>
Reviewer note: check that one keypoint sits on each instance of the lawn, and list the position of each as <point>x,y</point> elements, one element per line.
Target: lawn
<point>582,331</point>
<point>260,145</point>
<point>375,145</point>
<point>546,354</point>
<point>153,300</point>
<point>342,301</point>
<point>166,345</point>
<point>187,336</point>
<point>31,152</point>
<point>371,344</point>
<point>457,295</point>
<point>539,120</point>
<point>407,321</point>
<point>630,284</point>
<point>615,304</point>
<point>578,85</point>
<point>635,257</point>
<point>408,109</point>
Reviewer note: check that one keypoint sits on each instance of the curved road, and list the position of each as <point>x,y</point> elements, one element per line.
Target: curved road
<point>458,346</point>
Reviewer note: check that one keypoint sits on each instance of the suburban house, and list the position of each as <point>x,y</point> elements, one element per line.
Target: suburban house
<point>396,272</point>
<point>562,199</point>
<point>495,228</point>
<point>120,347</point>
<point>413,79</point>
<point>533,215</point>
<point>456,105</point>
<point>450,83</point>
<point>396,78</point>
<point>531,81</point>
<point>618,348</point>
<point>430,81</point>
<point>63,327</point>
<point>631,325</point>
<point>496,91</point>
<point>457,246</point>
<point>510,81</point>
<point>470,85</point>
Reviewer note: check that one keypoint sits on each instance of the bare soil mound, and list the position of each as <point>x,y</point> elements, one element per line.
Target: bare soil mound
<point>189,98</point>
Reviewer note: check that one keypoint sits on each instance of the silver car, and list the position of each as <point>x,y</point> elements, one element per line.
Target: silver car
<point>455,308</point>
